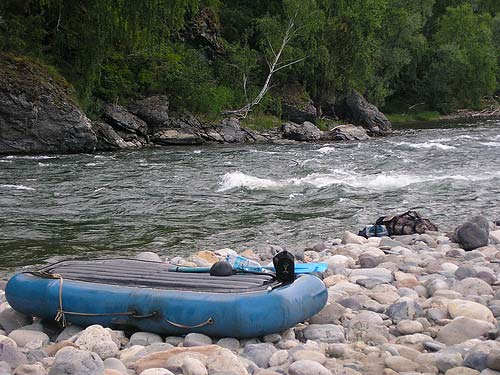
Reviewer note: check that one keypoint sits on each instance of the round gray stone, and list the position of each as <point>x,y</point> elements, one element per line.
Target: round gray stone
<point>307,367</point>
<point>472,286</point>
<point>10,320</point>
<point>465,271</point>
<point>144,338</point>
<point>34,369</point>
<point>324,332</point>
<point>229,343</point>
<point>4,368</point>
<point>406,310</point>
<point>477,357</point>
<point>23,337</point>
<point>259,353</point>
<point>12,355</point>
<point>493,361</point>
<point>192,366</point>
<point>115,364</point>
<point>330,314</point>
<point>197,339</point>
<point>447,359</point>
<point>77,362</point>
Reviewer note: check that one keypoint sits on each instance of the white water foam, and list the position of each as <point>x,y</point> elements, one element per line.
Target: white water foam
<point>380,181</point>
<point>425,145</point>
<point>377,182</point>
<point>16,187</point>
<point>490,144</point>
<point>326,150</point>
<point>233,180</point>
<point>36,157</point>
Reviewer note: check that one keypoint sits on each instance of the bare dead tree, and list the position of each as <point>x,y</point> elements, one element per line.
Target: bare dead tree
<point>275,66</point>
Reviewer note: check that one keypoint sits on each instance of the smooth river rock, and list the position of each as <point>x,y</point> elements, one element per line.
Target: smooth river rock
<point>306,367</point>
<point>77,362</point>
<point>470,309</point>
<point>462,329</point>
<point>325,332</point>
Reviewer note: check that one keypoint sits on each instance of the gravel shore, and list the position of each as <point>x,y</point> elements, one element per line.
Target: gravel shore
<point>401,305</point>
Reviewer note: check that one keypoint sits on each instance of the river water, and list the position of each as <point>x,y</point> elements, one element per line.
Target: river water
<point>178,200</point>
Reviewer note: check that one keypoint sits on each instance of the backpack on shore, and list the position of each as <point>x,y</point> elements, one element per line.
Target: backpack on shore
<point>408,223</point>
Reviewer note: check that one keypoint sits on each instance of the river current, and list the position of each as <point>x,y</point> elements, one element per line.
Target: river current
<point>178,200</point>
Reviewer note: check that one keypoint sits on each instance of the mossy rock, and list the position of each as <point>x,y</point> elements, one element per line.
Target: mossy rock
<point>39,113</point>
<point>296,104</point>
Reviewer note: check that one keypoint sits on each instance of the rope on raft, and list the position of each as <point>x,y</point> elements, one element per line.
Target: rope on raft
<point>61,313</point>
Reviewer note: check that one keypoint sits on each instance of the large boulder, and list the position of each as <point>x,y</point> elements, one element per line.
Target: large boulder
<point>38,112</point>
<point>128,126</point>
<point>305,132</point>
<point>153,110</point>
<point>175,137</point>
<point>299,113</point>
<point>230,131</point>
<point>346,133</point>
<point>296,105</point>
<point>472,234</point>
<point>356,109</point>
<point>107,138</point>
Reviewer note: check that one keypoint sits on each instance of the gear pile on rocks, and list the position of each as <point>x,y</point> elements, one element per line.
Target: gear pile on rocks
<point>411,304</point>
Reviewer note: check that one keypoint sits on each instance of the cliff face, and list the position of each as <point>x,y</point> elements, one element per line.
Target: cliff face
<point>38,113</point>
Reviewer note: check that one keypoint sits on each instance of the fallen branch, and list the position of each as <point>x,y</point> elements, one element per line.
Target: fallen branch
<point>275,66</point>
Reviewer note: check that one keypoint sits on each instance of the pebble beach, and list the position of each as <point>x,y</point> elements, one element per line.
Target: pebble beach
<point>414,304</point>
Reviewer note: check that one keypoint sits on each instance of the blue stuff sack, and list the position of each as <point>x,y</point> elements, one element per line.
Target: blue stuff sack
<point>374,231</point>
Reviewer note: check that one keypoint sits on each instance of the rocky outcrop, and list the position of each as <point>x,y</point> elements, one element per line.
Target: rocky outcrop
<point>107,138</point>
<point>153,110</point>
<point>185,129</point>
<point>305,132</point>
<point>204,30</point>
<point>357,110</point>
<point>178,129</point>
<point>38,113</point>
<point>346,133</point>
<point>297,113</point>
<point>127,125</point>
<point>175,137</point>
<point>230,131</point>
<point>296,105</point>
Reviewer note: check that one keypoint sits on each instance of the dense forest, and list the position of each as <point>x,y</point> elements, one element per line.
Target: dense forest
<point>208,56</point>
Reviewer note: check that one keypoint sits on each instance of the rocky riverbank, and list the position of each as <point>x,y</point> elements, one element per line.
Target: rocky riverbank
<point>402,305</point>
<point>38,114</point>
<point>490,112</point>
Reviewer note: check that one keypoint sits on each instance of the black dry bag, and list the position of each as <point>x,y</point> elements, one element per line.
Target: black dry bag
<point>284,264</point>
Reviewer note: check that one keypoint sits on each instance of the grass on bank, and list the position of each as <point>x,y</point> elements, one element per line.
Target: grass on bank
<point>261,122</point>
<point>412,117</point>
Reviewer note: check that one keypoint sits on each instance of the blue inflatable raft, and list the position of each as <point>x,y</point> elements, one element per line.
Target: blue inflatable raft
<point>147,296</point>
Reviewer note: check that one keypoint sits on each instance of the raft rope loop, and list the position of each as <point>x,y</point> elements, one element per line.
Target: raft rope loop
<point>61,314</point>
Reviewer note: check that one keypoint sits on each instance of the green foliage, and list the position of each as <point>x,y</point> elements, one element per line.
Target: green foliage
<point>464,65</point>
<point>444,53</point>
<point>413,116</point>
<point>261,122</point>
